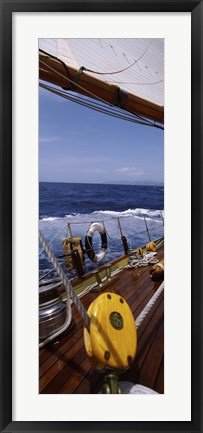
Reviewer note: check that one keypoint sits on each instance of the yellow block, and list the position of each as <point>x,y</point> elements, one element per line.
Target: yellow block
<point>69,245</point>
<point>112,340</point>
<point>151,246</point>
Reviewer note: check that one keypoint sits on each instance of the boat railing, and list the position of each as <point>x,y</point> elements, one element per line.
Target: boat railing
<point>104,220</point>
<point>150,228</point>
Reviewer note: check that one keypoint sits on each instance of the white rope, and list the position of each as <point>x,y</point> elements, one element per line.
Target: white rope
<point>146,309</point>
<point>147,259</point>
<point>160,265</point>
<point>149,305</point>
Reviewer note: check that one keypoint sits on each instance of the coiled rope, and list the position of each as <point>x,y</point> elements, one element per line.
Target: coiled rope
<point>139,262</point>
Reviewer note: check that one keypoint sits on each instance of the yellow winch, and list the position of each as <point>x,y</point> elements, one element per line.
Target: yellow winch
<point>112,340</point>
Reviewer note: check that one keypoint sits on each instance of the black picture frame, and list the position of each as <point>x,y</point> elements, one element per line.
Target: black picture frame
<point>195,7</point>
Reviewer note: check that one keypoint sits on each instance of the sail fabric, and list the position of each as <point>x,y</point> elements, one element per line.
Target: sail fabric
<point>135,65</point>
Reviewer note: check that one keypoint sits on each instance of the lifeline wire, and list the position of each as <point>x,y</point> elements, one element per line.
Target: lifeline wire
<point>53,238</point>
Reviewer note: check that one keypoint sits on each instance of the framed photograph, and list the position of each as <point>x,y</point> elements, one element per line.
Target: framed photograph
<point>101,197</point>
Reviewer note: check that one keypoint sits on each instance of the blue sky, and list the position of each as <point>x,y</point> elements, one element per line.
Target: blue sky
<point>77,144</point>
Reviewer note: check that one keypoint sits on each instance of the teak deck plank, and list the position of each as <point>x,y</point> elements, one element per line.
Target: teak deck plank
<point>149,368</point>
<point>159,379</point>
<point>63,364</point>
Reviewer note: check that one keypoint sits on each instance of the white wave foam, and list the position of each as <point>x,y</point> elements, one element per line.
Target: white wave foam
<point>100,214</point>
<point>51,218</point>
<point>138,212</point>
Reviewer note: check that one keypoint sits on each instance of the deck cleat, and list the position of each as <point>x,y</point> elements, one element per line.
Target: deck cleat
<point>111,385</point>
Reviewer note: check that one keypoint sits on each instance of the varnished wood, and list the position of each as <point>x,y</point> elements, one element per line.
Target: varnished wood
<point>63,364</point>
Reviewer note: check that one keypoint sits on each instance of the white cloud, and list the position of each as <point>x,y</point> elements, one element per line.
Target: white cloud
<point>130,171</point>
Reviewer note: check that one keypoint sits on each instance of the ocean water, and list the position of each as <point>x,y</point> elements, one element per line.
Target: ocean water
<point>64,205</point>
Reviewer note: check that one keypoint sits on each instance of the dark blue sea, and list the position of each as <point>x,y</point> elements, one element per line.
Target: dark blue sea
<point>74,205</point>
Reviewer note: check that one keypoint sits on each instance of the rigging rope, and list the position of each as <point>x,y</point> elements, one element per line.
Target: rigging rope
<point>73,82</point>
<point>86,99</point>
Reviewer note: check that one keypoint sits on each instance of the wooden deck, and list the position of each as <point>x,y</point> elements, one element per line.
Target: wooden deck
<point>63,364</point>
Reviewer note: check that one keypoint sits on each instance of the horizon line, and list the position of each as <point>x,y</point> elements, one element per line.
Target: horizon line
<point>147,183</point>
